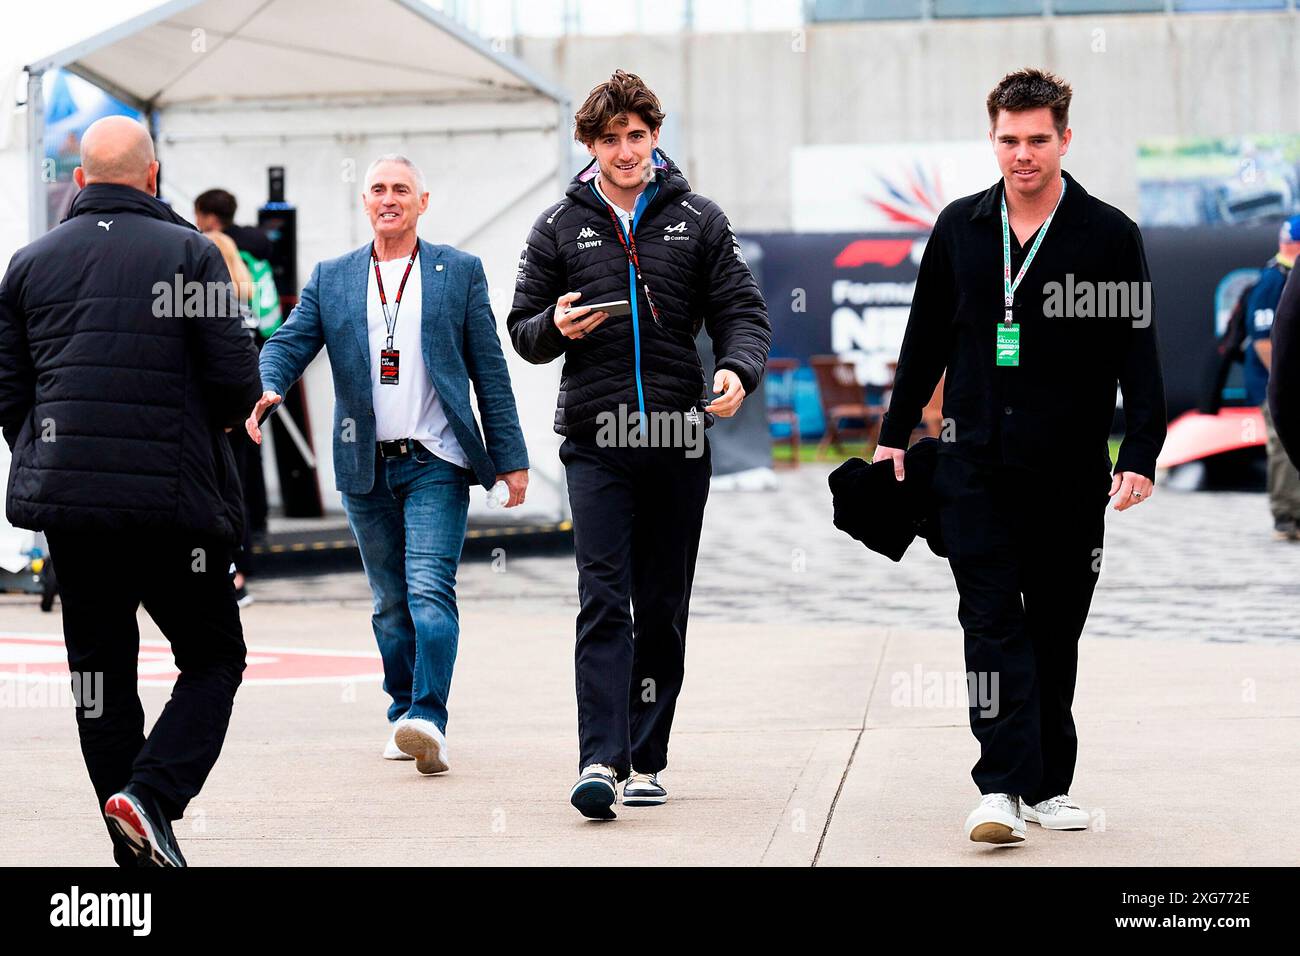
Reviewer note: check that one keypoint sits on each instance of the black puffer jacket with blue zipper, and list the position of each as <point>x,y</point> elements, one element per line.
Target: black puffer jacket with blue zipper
<point>692,262</point>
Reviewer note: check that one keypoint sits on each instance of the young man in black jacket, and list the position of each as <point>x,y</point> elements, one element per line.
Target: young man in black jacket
<point>631,235</point>
<point>1035,297</point>
<point>122,359</point>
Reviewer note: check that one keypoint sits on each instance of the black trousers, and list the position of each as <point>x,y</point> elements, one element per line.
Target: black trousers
<point>183,582</point>
<point>1025,550</point>
<point>637,514</point>
<point>248,463</point>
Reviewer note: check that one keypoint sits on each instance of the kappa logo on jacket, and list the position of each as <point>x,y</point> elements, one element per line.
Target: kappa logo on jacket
<point>589,234</point>
<point>679,228</point>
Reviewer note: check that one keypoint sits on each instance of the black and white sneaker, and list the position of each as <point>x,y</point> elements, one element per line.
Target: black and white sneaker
<point>137,817</point>
<point>595,791</point>
<point>644,790</point>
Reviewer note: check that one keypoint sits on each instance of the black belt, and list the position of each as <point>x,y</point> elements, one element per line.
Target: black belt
<point>398,447</point>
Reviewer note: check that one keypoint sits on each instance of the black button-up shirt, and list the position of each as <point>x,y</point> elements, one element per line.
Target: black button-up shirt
<point>1086,322</point>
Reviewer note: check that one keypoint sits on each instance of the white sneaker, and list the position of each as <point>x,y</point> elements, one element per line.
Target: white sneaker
<point>392,751</point>
<point>421,739</point>
<point>1056,813</point>
<point>996,820</point>
<point>644,790</point>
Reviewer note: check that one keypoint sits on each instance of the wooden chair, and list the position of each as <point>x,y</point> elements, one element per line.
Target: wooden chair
<point>779,389</point>
<point>843,398</point>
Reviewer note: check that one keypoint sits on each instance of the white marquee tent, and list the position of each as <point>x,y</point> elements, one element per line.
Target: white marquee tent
<point>231,87</point>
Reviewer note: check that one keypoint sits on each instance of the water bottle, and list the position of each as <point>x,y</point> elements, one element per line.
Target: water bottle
<point>498,495</point>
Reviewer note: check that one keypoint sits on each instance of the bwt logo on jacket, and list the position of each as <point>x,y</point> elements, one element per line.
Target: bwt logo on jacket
<point>591,234</point>
<point>75,908</point>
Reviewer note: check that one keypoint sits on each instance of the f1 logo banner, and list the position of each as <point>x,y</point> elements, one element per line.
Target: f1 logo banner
<point>846,294</point>
<point>849,294</point>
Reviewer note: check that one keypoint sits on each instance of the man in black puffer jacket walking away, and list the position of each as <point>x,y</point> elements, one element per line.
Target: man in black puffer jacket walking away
<point>122,360</point>
<point>653,261</point>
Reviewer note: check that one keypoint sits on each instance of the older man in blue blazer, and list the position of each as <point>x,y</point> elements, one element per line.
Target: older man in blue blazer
<point>407,325</point>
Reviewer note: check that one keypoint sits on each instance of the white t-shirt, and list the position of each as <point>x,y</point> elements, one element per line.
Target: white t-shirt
<point>409,409</point>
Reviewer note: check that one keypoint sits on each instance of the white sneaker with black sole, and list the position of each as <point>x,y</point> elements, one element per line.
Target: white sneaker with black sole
<point>1056,813</point>
<point>644,790</point>
<point>996,820</point>
<point>422,740</point>
<point>595,792</point>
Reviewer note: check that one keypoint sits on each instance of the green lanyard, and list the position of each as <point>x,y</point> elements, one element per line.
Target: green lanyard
<point>1009,287</point>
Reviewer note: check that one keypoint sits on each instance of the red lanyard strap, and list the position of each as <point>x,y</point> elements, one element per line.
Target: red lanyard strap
<point>629,247</point>
<point>390,322</point>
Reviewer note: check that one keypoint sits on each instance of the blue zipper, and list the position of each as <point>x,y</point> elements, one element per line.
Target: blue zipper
<point>642,201</point>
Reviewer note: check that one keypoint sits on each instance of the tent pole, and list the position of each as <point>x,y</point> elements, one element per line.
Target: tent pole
<point>562,119</point>
<point>37,213</point>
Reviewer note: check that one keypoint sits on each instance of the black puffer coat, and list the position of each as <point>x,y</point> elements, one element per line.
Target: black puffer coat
<point>114,413</point>
<point>692,262</point>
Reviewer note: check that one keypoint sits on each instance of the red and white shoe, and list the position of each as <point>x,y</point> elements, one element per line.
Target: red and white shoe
<point>138,819</point>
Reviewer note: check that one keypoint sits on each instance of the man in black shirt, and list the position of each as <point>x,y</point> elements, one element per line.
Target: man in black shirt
<point>1035,298</point>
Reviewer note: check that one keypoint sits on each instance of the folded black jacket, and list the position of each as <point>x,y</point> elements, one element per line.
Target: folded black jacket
<point>886,514</point>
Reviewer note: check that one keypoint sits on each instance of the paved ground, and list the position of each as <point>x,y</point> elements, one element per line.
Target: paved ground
<point>819,721</point>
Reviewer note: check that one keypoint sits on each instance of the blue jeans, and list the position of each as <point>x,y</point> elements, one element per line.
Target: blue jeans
<point>410,529</point>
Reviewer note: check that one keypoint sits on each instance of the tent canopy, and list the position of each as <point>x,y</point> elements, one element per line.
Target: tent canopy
<point>233,54</point>
<point>319,87</point>
<point>195,51</point>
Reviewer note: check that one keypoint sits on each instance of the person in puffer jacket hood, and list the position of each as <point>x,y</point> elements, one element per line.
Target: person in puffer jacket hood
<point>631,236</point>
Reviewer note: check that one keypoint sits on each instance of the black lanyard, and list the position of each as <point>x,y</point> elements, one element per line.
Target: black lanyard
<point>629,247</point>
<point>390,322</point>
